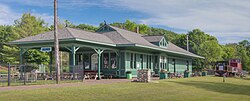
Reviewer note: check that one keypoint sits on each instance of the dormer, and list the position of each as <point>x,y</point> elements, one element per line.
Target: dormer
<point>105,28</point>
<point>157,40</point>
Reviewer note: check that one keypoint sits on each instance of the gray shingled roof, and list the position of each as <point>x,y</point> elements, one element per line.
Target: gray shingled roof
<point>68,33</point>
<point>132,37</point>
<point>138,39</point>
<point>117,36</point>
<point>153,38</point>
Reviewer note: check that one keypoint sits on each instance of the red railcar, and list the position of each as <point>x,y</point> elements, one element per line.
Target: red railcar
<point>229,68</point>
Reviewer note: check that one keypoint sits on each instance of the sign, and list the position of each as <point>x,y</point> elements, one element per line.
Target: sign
<point>46,49</point>
<point>221,67</point>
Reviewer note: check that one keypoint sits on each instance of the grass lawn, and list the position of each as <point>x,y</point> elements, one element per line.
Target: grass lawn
<point>197,88</point>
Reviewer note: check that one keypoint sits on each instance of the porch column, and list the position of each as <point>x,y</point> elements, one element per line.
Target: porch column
<point>99,52</point>
<point>72,56</point>
<point>22,51</point>
<point>50,62</point>
<point>21,56</point>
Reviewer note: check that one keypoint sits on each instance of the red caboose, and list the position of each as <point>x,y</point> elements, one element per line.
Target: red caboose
<point>235,67</point>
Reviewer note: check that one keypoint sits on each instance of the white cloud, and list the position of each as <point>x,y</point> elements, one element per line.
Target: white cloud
<point>228,20</point>
<point>8,16</point>
<point>220,18</point>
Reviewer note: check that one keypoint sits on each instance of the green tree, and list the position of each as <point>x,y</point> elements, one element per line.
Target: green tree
<point>8,53</point>
<point>129,25</point>
<point>87,27</point>
<point>29,25</point>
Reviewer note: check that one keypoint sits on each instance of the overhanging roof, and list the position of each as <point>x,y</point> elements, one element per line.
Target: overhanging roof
<point>116,37</point>
<point>67,34</point>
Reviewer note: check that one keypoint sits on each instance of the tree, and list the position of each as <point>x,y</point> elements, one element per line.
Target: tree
<point>211,50</point>
<point>229,51</point>
<point>131,26</point>
<point>243,52</point>
<point>8,53</point>
<point>87,27</point>
<point>29,25</point>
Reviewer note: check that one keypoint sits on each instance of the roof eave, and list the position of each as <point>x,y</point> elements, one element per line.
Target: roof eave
<point>196,56</point>
<point>70,39</point>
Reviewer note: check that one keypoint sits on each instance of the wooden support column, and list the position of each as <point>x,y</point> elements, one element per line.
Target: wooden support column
<point>22,51</point>
<point>50,62</point>
<point>99,52</point>
<point>72,58</point>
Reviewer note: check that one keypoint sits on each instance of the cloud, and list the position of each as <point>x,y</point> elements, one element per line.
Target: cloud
<point>228,20</point>
<point>65,4</point>
<point>8,16</point>
<point>220,18</point>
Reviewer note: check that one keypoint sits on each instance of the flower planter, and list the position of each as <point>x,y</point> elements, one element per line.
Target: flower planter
<point>186,74</point>
<point>163,75</point>
<point>129,75</point>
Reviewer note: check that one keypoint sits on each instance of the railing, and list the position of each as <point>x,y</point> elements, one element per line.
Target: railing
<point>27,74</point>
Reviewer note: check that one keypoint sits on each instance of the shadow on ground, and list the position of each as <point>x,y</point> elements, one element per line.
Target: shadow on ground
<point>227,88</point>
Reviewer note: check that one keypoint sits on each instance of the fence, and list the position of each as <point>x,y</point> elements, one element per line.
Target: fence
<point>14,75</point>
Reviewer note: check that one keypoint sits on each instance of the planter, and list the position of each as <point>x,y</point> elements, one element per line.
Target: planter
<point>129,75</point>
<point>186,74</point>
<point>204,73</point>
<point>163,75</point>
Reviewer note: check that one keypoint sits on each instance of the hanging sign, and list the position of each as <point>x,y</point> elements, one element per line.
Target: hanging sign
<point>46,49</point>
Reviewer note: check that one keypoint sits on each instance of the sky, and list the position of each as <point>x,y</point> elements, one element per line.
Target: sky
<point>228,20</point>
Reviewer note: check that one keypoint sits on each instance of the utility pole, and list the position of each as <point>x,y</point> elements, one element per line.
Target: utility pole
<point>56,44</point>
<point>187,43</point>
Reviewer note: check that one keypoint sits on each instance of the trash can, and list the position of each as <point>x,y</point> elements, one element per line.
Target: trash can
<point>163,75</point>
<point>129,75</point>
<point>204,73</point>
<point>186,74</point>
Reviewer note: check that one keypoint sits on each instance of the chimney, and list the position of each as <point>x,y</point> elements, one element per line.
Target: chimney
<point>137,29</point>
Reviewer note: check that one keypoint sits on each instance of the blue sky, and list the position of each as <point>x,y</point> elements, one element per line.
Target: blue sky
<point>228,20</point>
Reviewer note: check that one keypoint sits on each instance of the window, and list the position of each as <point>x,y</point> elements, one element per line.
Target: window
<point>141,59</point>
<point>173,64</point>
<point>147,62</point>
<point>135,61</point>
<point>86,61</point>
<point>113,60</point>
<point>106,60</point>
<point>187,65</point>
<point>162,62</point>
<point>131,60</point>
<point>150,60</point>
<point>165,62</point>
<point>156,62</point>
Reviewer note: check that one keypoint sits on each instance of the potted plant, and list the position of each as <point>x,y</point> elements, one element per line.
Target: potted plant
<point>163,74</point>
<point>186,73</point>
<point>129,74</point>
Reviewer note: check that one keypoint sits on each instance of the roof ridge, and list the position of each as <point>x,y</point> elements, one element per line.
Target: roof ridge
<point>67,29</point>
<point>119,33</point>
<point>125,30</point>
<point>181,48</point>
<point>84,31</point>
<point>152,35</point>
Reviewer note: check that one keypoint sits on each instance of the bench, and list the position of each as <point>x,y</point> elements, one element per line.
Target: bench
<point>91,74</point>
